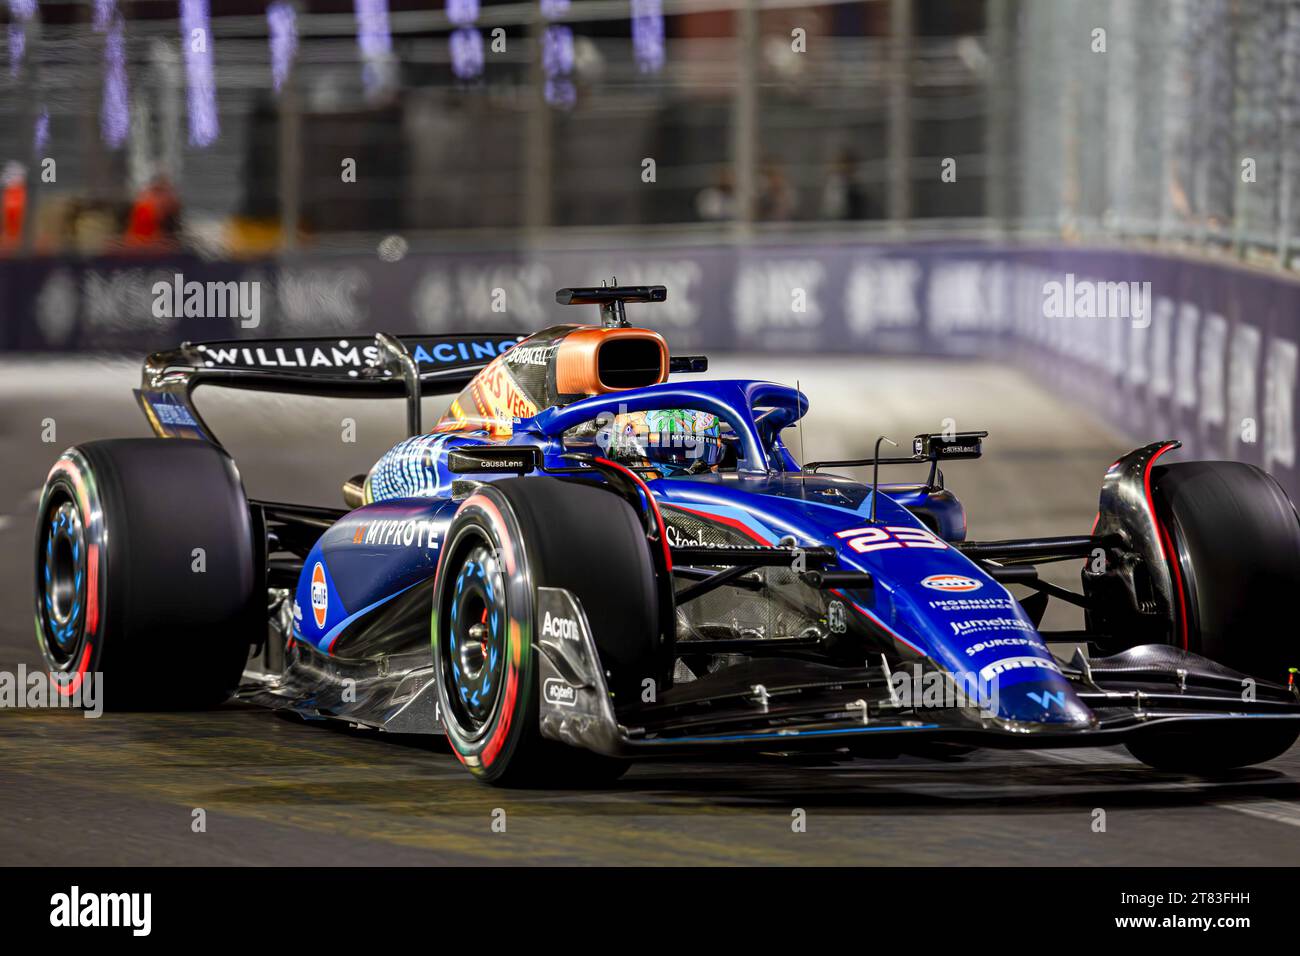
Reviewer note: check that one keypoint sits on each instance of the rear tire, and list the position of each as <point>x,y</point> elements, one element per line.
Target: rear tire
<point>1236,542</point>
<point>120,588</point>
<point>506,540</point>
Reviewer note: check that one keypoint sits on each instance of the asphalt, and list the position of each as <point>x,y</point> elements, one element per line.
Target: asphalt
<point>273,790</point>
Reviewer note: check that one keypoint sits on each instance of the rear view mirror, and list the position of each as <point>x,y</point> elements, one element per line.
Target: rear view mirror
<point>948,447</point>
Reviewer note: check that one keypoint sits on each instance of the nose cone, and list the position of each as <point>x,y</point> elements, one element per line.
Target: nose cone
<point>951,610</point>
<point>1034,694</point>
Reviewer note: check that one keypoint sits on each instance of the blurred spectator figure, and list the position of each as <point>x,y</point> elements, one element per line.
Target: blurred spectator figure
<point>14,202</point>
<point>154,217</point>
<point>842,196</point>
<point>717,203</point>
<point>777,201</point>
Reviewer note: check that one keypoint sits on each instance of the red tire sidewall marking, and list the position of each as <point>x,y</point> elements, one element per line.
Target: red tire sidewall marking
<point>69,476</point>
<point>480,755</point>
<point>1167,551</point>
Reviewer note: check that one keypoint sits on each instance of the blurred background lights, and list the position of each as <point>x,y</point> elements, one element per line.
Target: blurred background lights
<point>41,135</point>
<point>466,53</point>
<point>375,43</point>
<point>201,95</point>
<point>557,56</point>
<point>102,17</point>
<point>648,35</point>
<point>20,11</point>
<point>114,113</point>
<point>462,12</point>
<point>282,24</point>
<point>392,248</point>
<point>465,43</point>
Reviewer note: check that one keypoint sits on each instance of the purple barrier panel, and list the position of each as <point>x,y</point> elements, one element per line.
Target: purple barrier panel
<point>1213,363</point>
<point>1208,354</point>
<point>123,303</point>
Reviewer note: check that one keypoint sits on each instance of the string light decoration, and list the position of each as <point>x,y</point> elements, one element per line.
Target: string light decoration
<point>102,16</point>
<point>41,135</point>
<point>201,91</point>
<point>115,111</point>
<point>648,35</point>
<point>376,44</point>
<point>466,43</point>
<point>557,56</point>
<point>20,12</point>
<point>282,26</point>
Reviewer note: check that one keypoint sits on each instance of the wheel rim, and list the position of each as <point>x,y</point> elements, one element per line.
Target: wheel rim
<point>63,579</point>
<point>475,646</point>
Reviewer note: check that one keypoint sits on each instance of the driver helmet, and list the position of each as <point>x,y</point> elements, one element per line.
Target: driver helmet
<point>675,441</point>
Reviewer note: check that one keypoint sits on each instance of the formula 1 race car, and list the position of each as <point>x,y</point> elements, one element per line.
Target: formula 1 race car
<point>582,562</point>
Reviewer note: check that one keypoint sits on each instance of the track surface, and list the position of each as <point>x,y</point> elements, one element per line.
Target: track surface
<point>277,791</point>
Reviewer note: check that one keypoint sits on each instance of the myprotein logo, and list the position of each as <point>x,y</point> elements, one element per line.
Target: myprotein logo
<point>208,300</point>
<point>402,532</point>
<point>77,909</point>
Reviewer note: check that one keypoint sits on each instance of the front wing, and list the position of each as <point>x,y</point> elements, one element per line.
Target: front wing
<point>788,705</point>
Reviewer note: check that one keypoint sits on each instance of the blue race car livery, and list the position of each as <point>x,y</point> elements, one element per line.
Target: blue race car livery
<point>588,558</point>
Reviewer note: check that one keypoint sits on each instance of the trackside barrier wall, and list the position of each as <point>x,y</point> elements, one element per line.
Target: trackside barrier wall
<point>1209,357</point>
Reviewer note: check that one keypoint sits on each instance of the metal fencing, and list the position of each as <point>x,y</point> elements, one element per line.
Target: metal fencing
<point>1169,121</point>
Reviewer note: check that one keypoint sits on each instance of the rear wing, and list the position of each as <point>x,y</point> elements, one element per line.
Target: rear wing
<point>378,366</point>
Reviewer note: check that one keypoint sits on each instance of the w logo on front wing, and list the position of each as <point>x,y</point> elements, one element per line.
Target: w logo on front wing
<point>1046,700</point>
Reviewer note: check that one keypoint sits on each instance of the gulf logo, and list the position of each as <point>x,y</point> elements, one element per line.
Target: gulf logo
<point>951,583</point>
<point>320,596</point>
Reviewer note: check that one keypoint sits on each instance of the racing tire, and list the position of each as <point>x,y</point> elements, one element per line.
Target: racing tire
<point>507,539</point>
<point>1235,540</point>
<point>122,592</point>
<point>1198,751</point>
<point>1236,563</point>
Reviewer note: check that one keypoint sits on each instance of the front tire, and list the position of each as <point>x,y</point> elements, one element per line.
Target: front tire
<point>1235,566</point>
<point>145,572</point>
<point>1214,751</point>
<point>506,540</point>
